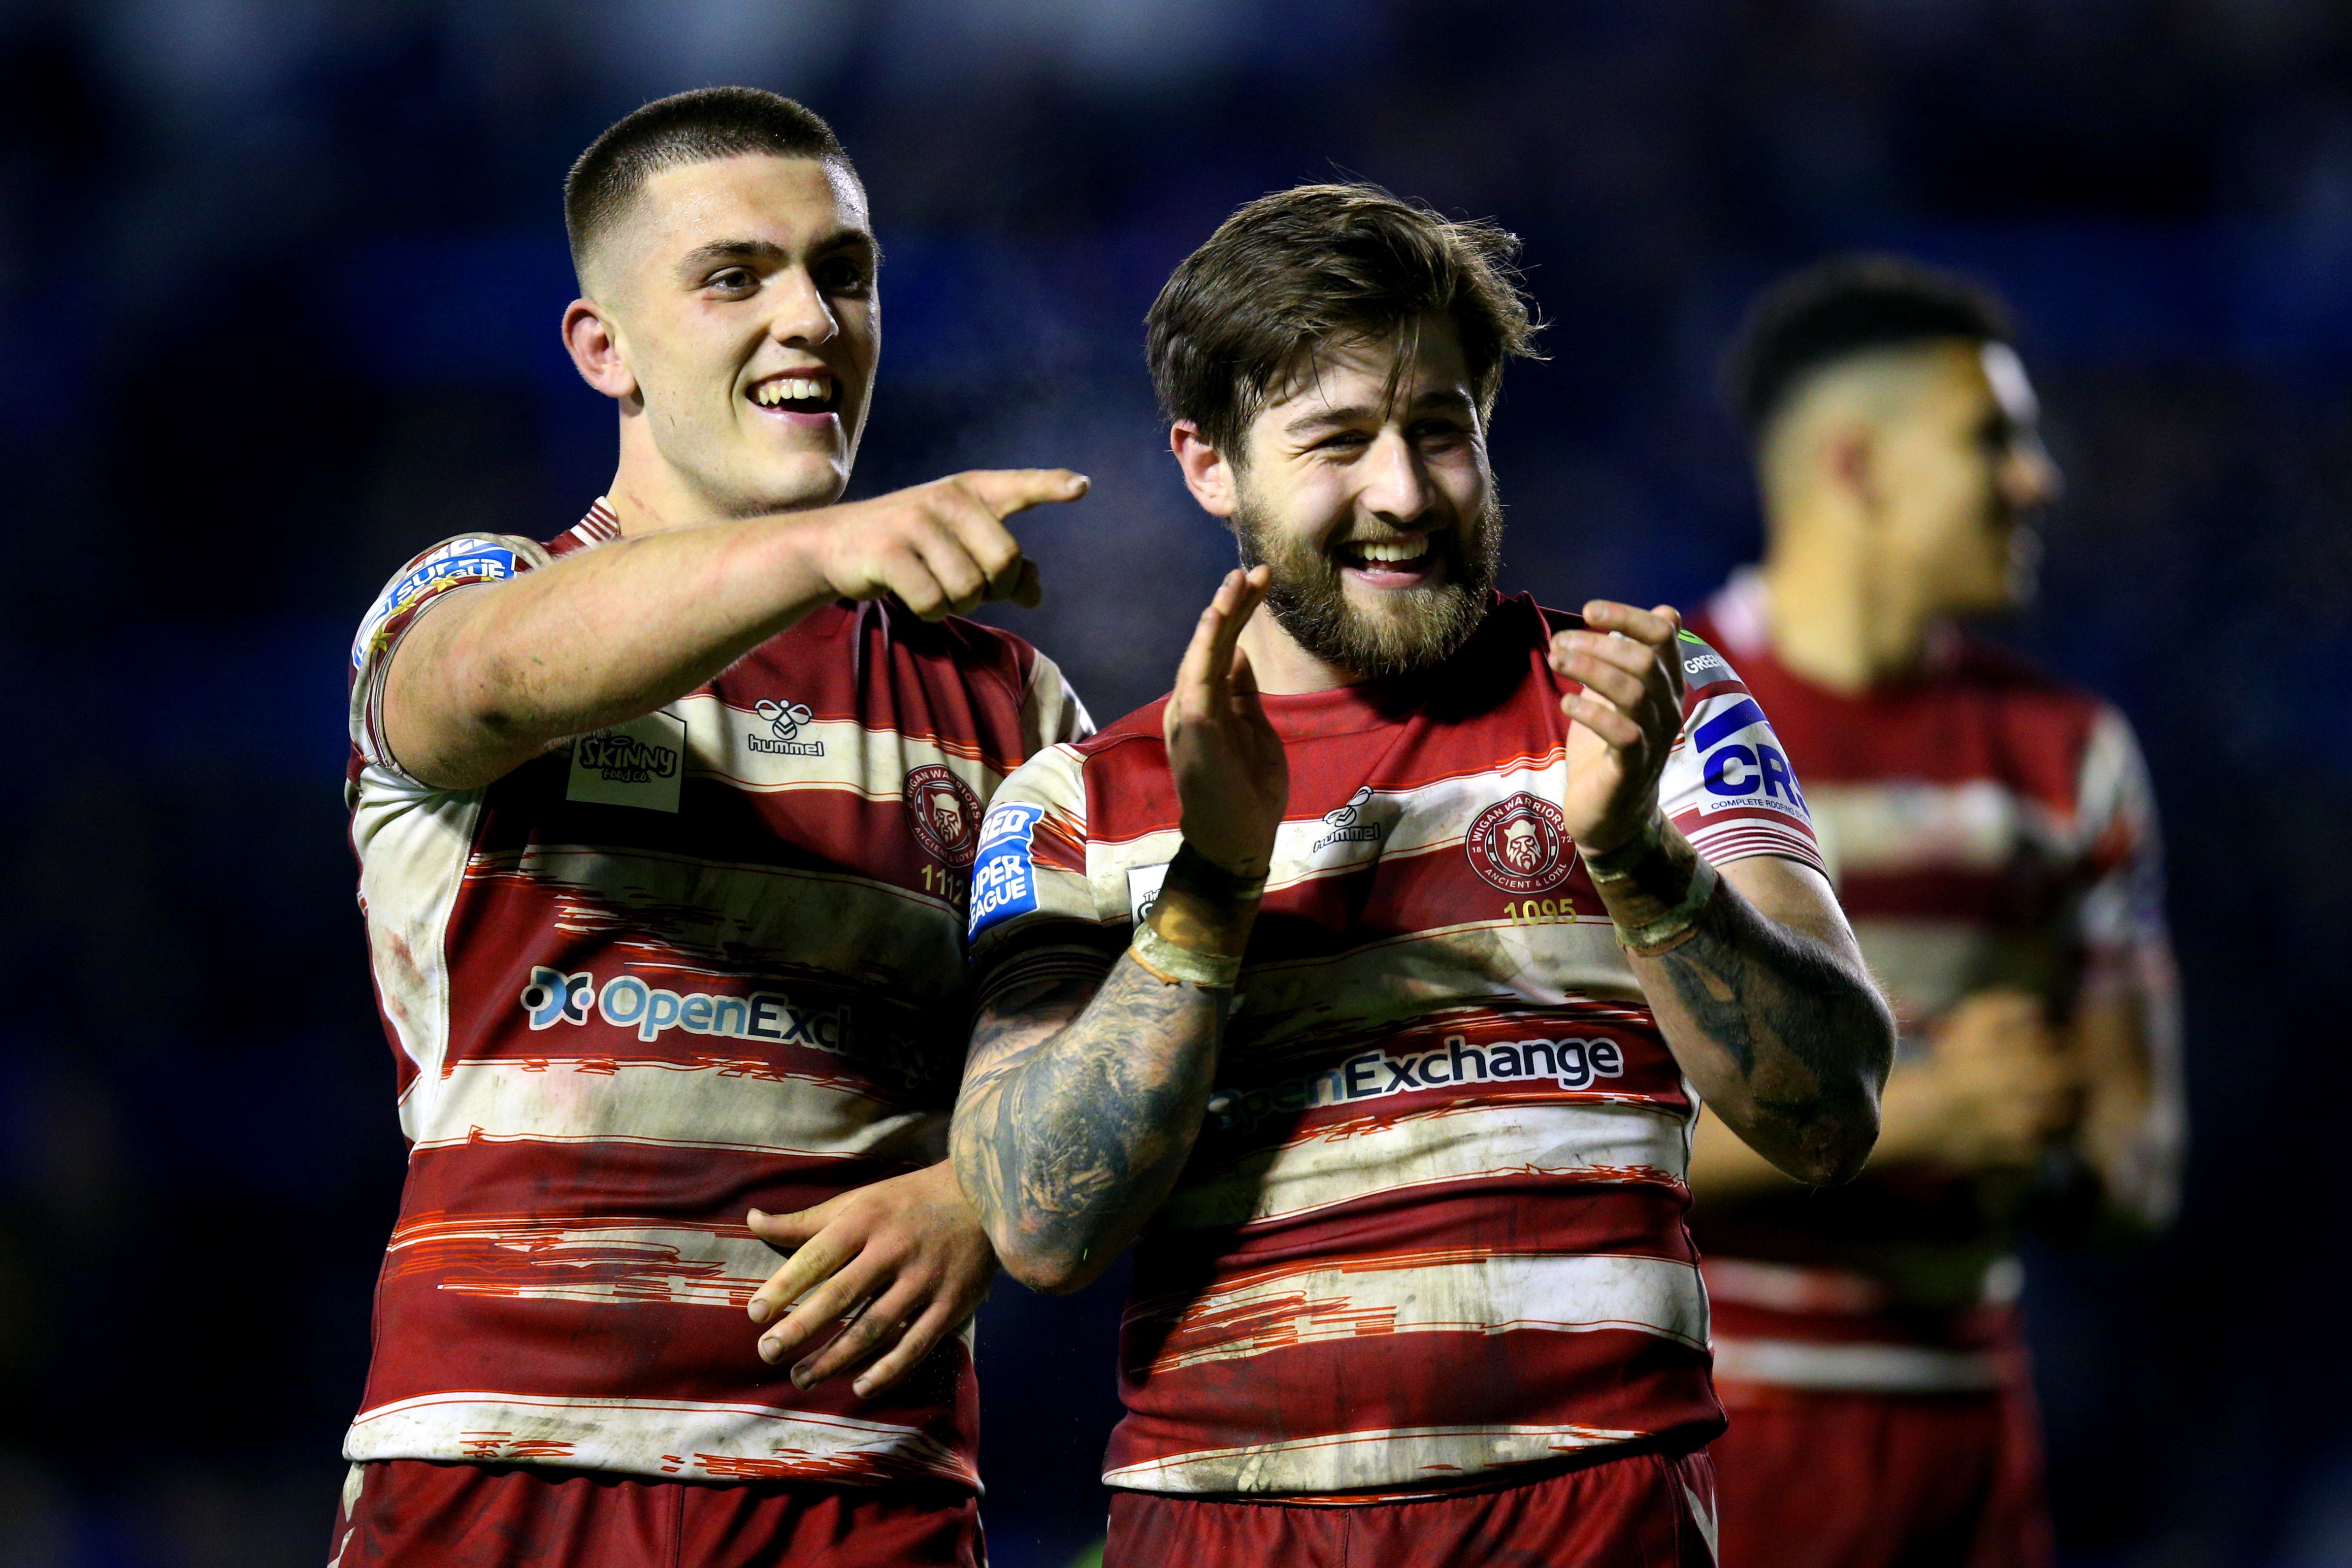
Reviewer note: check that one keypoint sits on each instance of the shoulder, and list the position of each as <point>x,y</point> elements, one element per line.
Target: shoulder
<point>464,558</point>
<point>1136,739</point>
<point>2037,707</point>
<point>1979,662</point>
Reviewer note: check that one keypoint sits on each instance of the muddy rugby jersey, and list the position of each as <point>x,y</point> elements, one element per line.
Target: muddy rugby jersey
<point>1990,827</point>
<point>708,961</point>
<point>1434,1224</point>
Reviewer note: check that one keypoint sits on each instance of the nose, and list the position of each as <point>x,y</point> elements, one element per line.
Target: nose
<point>2030,478</point>
<point>1396,487</point>
<point>802,317</point>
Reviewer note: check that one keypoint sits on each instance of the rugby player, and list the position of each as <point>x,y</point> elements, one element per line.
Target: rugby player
<point>1364,977</point>
<point>665,828</point>
<point>1997,847</point>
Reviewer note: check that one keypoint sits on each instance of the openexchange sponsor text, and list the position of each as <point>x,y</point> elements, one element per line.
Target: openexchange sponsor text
<point>1376,1074</point>
<point>628,1002</point>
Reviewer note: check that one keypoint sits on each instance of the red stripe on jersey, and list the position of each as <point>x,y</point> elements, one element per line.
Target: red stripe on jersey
<point>1548,1214</point>
<point>1615,1379</point>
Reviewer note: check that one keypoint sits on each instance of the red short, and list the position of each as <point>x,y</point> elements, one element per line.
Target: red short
<point>413,1511</point>
<point>1648,1510</point>
<point>1880,1480</point>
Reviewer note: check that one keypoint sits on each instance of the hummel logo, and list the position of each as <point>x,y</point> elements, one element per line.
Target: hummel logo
<point>1347,823</point>
<point>784,722</point>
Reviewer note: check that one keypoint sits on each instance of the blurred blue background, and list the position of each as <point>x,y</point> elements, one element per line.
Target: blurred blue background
<point>279,289</point>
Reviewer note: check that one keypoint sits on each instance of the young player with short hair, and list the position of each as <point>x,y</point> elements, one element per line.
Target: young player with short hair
<point>1996,842</point>
<point>1366,976</point>
<point>665,828</point>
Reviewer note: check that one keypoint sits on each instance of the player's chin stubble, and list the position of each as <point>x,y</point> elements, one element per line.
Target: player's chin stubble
<point>1309,600</point>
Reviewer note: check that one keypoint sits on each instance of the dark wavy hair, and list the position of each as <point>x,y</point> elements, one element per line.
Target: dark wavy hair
<point>1288,272</point>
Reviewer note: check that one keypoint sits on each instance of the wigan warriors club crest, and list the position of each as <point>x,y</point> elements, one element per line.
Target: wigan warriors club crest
<point>1521,845</point>
<point>945,814</point>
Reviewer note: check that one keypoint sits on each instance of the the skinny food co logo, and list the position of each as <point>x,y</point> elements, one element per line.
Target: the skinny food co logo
<point>623,758</point>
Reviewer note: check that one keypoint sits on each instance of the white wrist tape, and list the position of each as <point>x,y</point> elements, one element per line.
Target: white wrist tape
<point>1172,964</point>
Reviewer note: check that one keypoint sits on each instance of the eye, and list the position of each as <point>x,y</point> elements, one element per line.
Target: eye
<point>842,275</point>
<point>1341,441</point>
<point>732,281</point>
<point>1440,433</point>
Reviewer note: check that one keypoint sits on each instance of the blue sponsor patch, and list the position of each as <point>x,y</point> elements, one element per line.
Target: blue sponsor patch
<point>1754,771</point>
<point>1003,875</point>
<point>477,560</point>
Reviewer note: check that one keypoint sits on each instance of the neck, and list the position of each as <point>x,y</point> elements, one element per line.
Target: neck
<point>1835,618</point>
<point>1283,668</point>
<point>650,495</point>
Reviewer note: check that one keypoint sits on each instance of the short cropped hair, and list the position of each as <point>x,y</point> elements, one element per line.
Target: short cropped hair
<point>701,126</point>
<point>1288,272</point>
<point>1846,305</point>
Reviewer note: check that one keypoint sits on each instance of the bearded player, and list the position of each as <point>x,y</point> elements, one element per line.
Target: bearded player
<point>665,828</point>
<point>1365,977</point>
<point>1997,847</point>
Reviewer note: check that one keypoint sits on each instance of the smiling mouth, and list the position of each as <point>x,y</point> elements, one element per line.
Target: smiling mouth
<point>798,394</point>
<point>1408,556</point>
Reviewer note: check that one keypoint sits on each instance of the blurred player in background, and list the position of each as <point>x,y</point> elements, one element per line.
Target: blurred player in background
<point>1996,846</point>
<point>665,828</point>
<point>1363,976</point>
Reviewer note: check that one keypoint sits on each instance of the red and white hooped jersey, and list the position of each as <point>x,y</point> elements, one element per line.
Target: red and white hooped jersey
<point>1433,1224</point>
<point>708,961</point>
<point>1988,827</point>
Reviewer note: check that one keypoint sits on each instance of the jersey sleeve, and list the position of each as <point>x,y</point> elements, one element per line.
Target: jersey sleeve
<point>454,563</point>
<point>2123,852</point>
<point>1034,913</point>
<point>1051,713</point>
<point>2127,956</point>
<point>1727,784</point>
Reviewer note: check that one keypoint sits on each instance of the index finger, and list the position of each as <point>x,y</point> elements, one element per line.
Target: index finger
<point>813,1263</point>
<point>1209,658</point>
<point>1007,491</point>
<point>1656,628</point>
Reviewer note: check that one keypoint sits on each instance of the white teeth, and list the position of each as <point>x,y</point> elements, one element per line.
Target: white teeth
<point>1389,550</point>
<point>790,389</point>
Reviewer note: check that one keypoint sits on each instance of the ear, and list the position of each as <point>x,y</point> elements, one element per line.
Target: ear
<point>1848,458</point>
<point>593,341</point>
<point>1207,474</point>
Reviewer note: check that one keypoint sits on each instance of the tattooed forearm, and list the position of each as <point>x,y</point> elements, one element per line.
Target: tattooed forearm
<point>1076,1114</point>
<point>1786,1040</point>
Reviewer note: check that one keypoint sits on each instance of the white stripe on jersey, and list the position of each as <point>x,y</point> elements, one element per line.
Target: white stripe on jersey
<point>1565,1293</point>
<point>691,1440</point>
<point>609,1264</point>
<point>1855,1368</point>
<point>1879,829</point>
<point>1599,1140</point>
<point>718,1103</point>
<point>752,753</point>
<point>1352,1461</point>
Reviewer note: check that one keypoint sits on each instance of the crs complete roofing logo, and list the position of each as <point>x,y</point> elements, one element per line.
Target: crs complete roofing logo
<point>1521,845</point>
<point>944,813</point>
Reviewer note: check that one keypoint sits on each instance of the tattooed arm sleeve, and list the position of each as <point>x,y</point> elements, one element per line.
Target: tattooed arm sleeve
<point>1080,1103</point>
<point>1769,1010</point>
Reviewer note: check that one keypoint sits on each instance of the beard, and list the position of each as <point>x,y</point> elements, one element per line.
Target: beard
<point>1416,629</point>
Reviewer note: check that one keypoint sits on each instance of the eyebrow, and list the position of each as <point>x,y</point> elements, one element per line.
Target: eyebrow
<point>1356,414</point>
<point>768,251</point>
